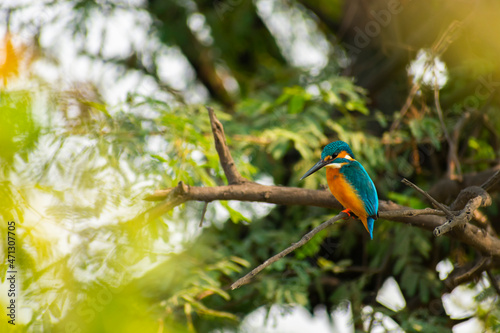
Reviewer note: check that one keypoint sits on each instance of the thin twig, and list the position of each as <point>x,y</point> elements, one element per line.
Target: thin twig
<point>306,238</point>
<point>203,214</point>
<point>453,161</point>
<point>406,106</point>
<point>491,182</point>
<point>448,37</point>
<point>437,204</point>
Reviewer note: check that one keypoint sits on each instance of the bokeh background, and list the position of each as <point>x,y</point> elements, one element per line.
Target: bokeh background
<point>101,104</point>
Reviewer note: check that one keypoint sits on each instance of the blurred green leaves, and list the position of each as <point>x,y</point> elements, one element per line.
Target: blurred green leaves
<point>73,183</point>
<point>426,128</point>
<point>19,131</point>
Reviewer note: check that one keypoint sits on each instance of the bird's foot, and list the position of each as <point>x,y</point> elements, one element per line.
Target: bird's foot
<point>349,213</point>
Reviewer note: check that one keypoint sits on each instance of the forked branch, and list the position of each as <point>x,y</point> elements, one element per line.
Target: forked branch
<point>468,201</point>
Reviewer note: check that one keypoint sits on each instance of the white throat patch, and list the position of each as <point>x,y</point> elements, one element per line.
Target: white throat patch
<point>347,156</point>
<point>335,165</point>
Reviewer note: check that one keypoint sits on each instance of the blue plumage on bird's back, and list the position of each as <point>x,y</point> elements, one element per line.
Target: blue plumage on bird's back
<point>357,176</point>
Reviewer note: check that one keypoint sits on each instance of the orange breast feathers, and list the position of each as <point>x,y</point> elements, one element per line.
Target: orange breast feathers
<point>345,193</point>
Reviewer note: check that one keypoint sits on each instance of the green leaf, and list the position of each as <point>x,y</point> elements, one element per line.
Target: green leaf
<point>159,158</point>
<point>235,216</point>
<point>296,104</point>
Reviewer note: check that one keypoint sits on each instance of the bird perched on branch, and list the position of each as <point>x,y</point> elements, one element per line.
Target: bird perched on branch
<point>349,183</point>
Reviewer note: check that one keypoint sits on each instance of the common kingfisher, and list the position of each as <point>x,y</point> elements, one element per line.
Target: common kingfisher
<point>349,183</point>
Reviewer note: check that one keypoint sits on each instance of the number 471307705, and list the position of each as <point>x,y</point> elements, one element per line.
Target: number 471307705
<point>11,241</point>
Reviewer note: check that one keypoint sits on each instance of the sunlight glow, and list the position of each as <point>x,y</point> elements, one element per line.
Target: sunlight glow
<point>297,36</point>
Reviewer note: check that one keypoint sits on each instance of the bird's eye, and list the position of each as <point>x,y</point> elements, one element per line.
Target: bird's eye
<point>334,155</point>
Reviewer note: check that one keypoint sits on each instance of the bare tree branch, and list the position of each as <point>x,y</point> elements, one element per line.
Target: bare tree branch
<point>232,174</point>
<point>253,192</point>
<point>411,212</point>
<point>467,272</point>
<point>325,199</point>
<point>461,220</point>
<point>306,238</point>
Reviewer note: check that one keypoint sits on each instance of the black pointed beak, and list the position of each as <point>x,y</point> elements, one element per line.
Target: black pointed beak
<point>315,168</point>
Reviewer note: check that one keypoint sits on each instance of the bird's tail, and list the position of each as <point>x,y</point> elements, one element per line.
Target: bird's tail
<point>368,223</point>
